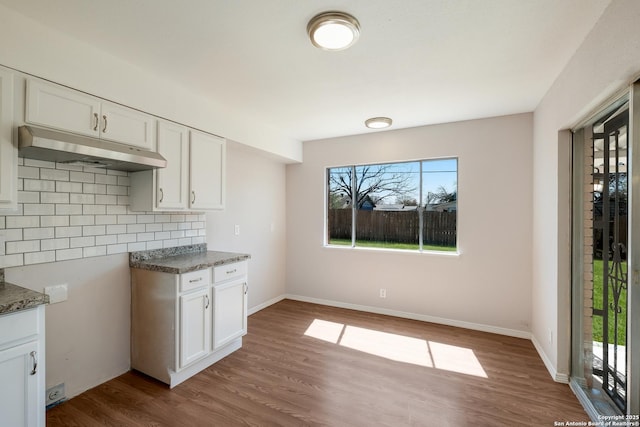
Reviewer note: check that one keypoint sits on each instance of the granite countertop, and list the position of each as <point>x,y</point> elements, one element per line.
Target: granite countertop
<point>182,259</point>
<point>14,297</point>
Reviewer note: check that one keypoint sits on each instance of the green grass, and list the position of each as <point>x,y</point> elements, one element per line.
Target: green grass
<point>391,245</point>
<point>597,303</point>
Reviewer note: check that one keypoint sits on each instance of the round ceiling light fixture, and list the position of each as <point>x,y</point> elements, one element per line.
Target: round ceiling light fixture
<point>378,122</point>
<point>333,30</point>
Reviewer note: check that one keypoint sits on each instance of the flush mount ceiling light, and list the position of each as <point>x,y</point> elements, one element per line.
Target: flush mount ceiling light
<point>333,30</point>
<point>378,122</point>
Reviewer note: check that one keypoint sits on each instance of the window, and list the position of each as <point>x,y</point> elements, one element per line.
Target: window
<point>407,205</point>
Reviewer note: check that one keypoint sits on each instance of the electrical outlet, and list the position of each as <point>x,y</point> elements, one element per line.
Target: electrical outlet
<point>236,230</point>
<point>550,336</point>
<point>383,293</point>
<point>55,394</point>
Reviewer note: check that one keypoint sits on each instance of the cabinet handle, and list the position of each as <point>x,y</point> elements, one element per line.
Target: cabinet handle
<point>95,115</point>
<point>231,271</point>
<point>34,360</point>
<point>207,297</point>
<point>104,129</point>
<point>195,280</point>
<point>193,197</point>
<point>246,288</point>
<point>161,195</point>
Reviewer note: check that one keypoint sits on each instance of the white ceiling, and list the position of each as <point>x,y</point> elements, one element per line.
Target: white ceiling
<point>417,61</point>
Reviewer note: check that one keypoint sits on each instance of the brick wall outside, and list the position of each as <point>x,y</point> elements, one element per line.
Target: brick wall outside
<point>588,263</point>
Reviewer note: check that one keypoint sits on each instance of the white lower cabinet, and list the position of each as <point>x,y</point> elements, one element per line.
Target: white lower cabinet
<point>22,389</point>
<point>176,329</point>
<point>230,312</point>
<point>195,326</point>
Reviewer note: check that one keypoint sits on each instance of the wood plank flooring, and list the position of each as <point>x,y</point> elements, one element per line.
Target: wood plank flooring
<point>305,364</point>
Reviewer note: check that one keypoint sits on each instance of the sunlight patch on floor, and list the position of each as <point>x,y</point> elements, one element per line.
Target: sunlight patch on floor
<point>325,331</point>
<point>399,348</point>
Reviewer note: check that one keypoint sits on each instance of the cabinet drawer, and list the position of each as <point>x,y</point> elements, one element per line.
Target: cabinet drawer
<point>18,326</point>
<point>195,280</point>
<point>229,271</point>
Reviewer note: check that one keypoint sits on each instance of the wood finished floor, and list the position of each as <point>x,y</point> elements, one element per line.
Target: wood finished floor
<point>282,377</point>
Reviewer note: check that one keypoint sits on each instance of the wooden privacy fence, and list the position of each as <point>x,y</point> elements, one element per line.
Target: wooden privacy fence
<point>394,226</point>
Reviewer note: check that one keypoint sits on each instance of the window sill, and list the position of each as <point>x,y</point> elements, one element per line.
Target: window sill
<point>451,254</point>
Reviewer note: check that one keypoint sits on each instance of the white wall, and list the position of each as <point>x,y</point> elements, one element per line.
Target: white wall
<point>606,62</point>
<point>255,202</point>
<point>487,286</point>
<point>28,46</point>
<point>87,336</point>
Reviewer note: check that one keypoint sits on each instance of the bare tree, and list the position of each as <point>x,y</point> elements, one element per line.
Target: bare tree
<point>373,182</point>
<point>444,196</point>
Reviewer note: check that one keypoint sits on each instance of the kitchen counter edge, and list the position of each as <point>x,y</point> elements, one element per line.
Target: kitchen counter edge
<point>15,298</point>
<point>184,263</point>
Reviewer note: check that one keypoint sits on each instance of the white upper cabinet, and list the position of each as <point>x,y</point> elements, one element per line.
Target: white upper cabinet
<point>62,108</point>
<point>128,126</point>
<point>207,171</point>
<point>58,107</point>
<point>8,152</point>
<point>173,181</point>
<point>194,178</point>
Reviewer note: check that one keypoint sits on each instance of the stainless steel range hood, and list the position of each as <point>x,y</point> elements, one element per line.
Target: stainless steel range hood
<point>63,147</point>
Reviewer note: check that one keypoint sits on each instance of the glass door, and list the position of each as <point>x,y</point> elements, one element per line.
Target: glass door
<point>609,261</point>
<point>604,371</point>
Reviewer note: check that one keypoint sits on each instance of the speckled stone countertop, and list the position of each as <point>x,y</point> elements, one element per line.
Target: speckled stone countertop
<point>182,259</point>
<point>14,297</point>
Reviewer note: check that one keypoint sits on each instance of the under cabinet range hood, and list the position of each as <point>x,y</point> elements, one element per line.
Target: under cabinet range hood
<point>62,147</point>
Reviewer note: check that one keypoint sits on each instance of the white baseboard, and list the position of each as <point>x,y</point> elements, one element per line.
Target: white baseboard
<point>265,304</point>
<point>557,376</point>
<point>414,316</point>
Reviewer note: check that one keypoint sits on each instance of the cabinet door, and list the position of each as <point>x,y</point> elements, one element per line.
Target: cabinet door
<point>19,387</point>
<point>126,125</point>
<point>230,312</point>
<point>195,326</point>
<point>8,153</point>
<point>207,171</point>
<point>61,108</point>
<point>173,181</point>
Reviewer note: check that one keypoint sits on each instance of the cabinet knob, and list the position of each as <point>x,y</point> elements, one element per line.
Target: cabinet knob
<point>34,361</point>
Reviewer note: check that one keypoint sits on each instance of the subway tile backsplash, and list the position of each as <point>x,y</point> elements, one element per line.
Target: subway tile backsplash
<point>70,212</point>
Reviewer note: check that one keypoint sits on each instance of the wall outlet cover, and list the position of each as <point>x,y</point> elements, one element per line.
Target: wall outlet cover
<point>55,394</point>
